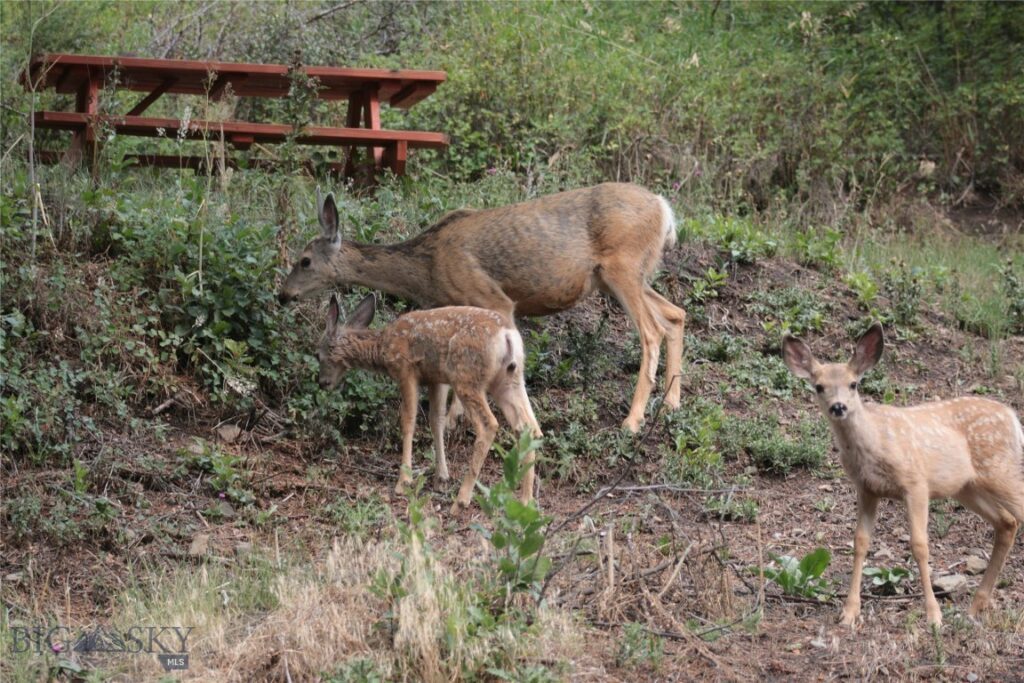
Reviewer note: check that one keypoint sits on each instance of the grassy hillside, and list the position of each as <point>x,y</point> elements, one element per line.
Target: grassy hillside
<point>168,458</point>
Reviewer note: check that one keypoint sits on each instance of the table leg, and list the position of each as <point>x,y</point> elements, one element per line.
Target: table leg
<point>83,142</point>
<point>355,111</point>
<point>371,119</point>
<point>394,157</point>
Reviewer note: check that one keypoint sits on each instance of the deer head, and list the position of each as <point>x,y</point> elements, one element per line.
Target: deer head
<point>835,383</point>
<point>337,353</point>
<point>317,268</point>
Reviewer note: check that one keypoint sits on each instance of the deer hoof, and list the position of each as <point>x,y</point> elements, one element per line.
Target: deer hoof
<point>849,619</point>
<point>631,424</point>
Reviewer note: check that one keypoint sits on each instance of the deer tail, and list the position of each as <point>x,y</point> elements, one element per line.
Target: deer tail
<point>668,223</point>
<point>513,357</point>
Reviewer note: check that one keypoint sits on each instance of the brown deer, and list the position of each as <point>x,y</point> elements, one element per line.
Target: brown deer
<point>475,351</point>
<point>969,449</point>
<point>534,258</point>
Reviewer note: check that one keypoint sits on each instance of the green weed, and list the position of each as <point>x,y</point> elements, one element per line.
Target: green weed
<point>802,577</point>
<point>639,647</point>
<point>886,581</point>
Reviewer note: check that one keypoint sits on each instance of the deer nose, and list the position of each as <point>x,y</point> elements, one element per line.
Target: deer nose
<point>325,383</point>
<point>283,298</point>
<point>838,409</point>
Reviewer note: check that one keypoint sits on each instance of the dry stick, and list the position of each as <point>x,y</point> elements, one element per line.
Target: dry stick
<point>332,10</point>
<point>675,572</point>
<point>668,487</point>
<point>695,642</point>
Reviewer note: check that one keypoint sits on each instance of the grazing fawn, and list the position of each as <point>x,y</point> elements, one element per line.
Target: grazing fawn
<point>534,258</point>
<point>475,351</point>
<point>969,449</point>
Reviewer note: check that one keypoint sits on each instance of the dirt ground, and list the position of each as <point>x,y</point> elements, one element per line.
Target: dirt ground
<point>648,555</point>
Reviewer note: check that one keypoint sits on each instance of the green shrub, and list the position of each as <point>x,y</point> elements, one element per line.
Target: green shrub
<point>802,577</point>
<point>902,284</point>
<point>771,449</point>
<point>640,647</point>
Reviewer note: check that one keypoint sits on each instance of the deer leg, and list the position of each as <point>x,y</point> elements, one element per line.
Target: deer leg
<point>867,505</point>
<point>514,404</point>
<point>630,295</point>
<point>454,412</point>
<point>407,412</point>
<point>486,426</point>
<point>474,287</point>
<point>1005,527</point>
<point>917,518</point>
<point>674,320</point>
<point>438,394</point>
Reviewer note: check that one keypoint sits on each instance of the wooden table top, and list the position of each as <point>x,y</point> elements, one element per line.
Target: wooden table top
<point>67,73</point>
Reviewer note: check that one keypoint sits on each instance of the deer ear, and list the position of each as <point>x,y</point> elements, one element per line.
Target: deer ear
<point>333,311</point>
<point>798,357</point>
<point>363,315</point>
<point>328,213</point>
<point>868,350</point>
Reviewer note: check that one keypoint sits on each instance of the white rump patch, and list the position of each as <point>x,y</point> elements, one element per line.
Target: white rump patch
<point>668,223</point>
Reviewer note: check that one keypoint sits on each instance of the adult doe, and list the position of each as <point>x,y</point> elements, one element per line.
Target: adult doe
<point>534,258</point>
<point>969,449</point>
<point>475,351</point>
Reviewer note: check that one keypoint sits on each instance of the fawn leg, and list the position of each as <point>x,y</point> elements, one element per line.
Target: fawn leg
<point>408,388</point>
<point>486,426</point>
<point>455,411</point>
<point>674,322</point>
<point>438,393</point>
<point>867,505</point>
<point>1005,527</point>
<point>917,519</point>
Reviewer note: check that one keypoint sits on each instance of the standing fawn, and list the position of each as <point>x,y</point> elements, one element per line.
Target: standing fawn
<point>475,351</point>
<point>534,258</point>
<point>969,449</point>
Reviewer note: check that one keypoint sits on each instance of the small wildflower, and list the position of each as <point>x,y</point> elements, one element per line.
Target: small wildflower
<point>492,170</point>
<point>222,495</point>
<point>57,647</point>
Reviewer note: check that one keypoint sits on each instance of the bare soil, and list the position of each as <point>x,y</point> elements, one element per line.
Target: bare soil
<point>668,565</point>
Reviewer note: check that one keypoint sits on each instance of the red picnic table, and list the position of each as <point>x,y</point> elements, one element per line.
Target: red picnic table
<point>364,89</point>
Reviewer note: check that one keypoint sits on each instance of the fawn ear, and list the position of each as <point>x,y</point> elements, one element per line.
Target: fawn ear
<point>798,357</point>
<point>868,351</point>
<point>328,213</point>
<point>363,315</point>
<point>333,311</point>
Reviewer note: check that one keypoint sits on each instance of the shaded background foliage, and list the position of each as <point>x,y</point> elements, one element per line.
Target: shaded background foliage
<point>122,287</point>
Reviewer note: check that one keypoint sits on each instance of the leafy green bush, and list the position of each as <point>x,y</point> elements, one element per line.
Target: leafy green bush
<point>1013,286</point>
<point>731,507</point>
<point>818,248</point>
<point>226,477</point>
<point>516,535</point>
<point>902,284</point>
<point>802,577</point>
<point>886,581</point>
<point>790,310</point>
<point>696,458</point>
<point>772,450</point>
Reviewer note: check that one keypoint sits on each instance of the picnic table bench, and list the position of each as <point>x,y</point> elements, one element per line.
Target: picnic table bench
<point>364,90</point>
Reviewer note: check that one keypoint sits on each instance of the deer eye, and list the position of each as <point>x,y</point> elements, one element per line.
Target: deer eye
<point>853,385</point>
<point>305,262</point>
<point>819,388</point>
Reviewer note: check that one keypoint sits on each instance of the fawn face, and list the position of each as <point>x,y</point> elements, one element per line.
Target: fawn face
<point>336,353</point>
<point>835,383</point>
<point>314,269</point>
